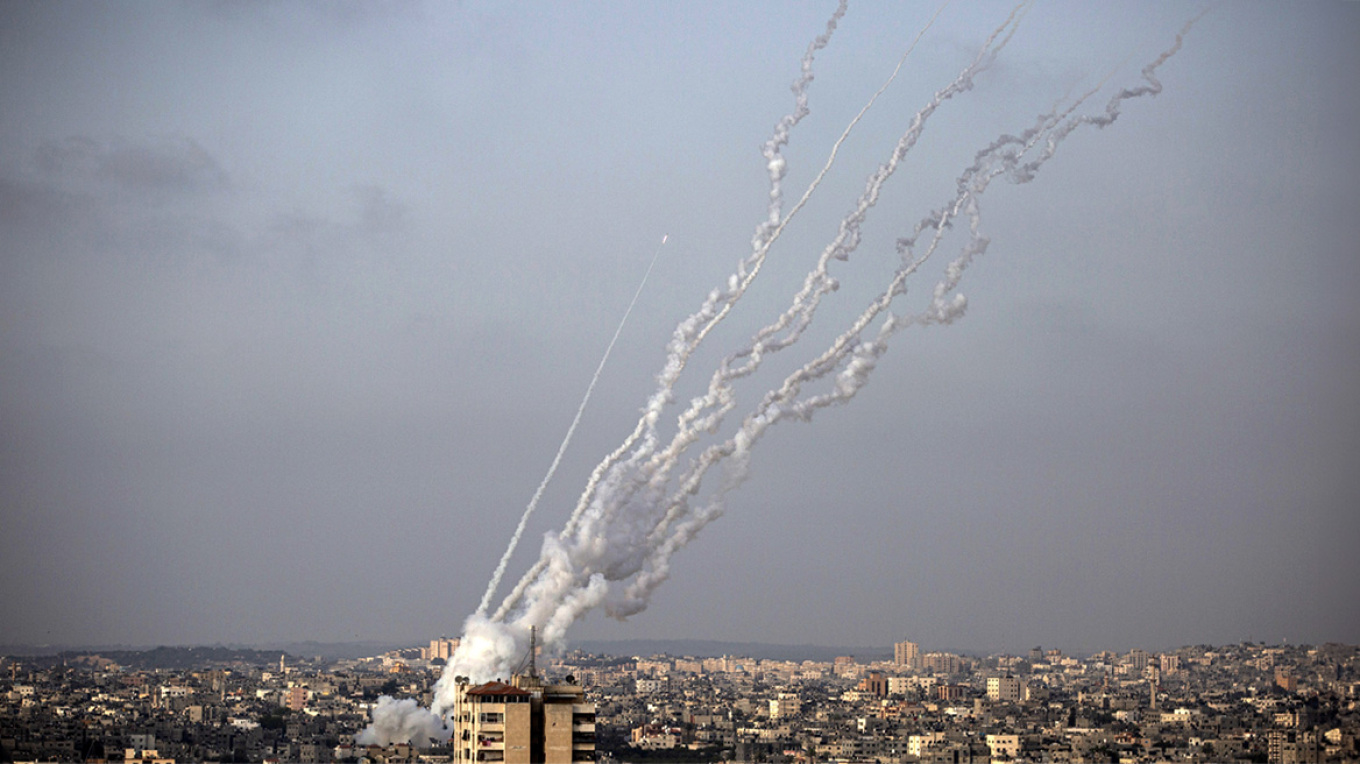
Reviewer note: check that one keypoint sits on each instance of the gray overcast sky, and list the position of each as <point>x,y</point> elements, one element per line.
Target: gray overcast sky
<point>297,301</point>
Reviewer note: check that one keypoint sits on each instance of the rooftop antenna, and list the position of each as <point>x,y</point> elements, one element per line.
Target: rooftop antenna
<point>533,651</point>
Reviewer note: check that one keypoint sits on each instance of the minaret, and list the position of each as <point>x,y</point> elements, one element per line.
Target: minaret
<point>282,669</point>
<point>1154,679</point>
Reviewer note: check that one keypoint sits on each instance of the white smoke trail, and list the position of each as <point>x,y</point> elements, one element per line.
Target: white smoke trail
<point>680,525</point>
<point>641,505</point>
<point>686,337</point>
<point>1001,158</point>
<point>647,561</point>
<point>637,487</point>
<point>566,440</point>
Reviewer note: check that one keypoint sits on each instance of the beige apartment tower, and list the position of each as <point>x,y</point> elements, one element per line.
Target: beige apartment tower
<point>524,722</point>
<point>907,654</point>
<point>439,648</point>
<point>1003,689</point>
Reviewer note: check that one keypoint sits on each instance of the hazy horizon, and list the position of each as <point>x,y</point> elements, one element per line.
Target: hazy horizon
<point>678,647</point>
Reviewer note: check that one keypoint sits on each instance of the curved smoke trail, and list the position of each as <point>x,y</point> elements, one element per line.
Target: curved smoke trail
<point>707,412</point>
<point>641,504</point>
<point>766,234</point>
<point>616,550</point>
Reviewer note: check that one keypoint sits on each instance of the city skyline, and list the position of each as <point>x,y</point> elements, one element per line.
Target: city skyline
<point>1237,703</point>
<point>299,301</point>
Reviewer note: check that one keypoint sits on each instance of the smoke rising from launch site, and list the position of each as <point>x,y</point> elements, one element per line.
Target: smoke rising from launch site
<point>660,487</point>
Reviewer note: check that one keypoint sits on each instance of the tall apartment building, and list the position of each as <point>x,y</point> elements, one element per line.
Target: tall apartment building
<point>1170,663</point>
<point>907,654</point>
<point>439,648</point>
<point>524,722</point>
<point>295,697</point>
<point>1003,689</point>
<point>942,663</point>
<point>1137,660</point>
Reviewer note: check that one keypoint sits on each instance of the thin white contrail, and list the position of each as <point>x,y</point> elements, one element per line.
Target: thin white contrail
<point>617,551</point>
<point>636,511</point>
<point>566,440</point>
<point>648,565</point>
<point>688,334</point>
<point>767,233</point>
<point>653,467</point>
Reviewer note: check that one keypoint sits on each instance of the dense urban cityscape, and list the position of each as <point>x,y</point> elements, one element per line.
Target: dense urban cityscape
<point>1247,702</point>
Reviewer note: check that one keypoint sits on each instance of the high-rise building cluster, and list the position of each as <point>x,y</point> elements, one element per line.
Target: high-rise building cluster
<point>442,648</point>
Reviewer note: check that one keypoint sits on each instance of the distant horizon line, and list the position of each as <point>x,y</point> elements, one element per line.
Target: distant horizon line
<point>698,647</point>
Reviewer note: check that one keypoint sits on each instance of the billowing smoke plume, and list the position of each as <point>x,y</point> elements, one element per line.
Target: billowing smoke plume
<point>402,721</point>
<point>654,493</point>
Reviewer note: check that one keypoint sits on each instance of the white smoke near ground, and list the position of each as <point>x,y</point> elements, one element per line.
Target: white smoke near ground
<point>652,495</point>
<point>402,721</point>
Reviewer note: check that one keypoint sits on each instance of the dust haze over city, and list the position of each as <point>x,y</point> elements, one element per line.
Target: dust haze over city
<point>297,303</point>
